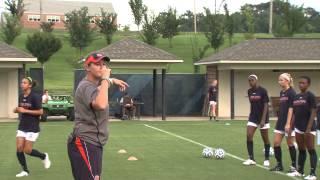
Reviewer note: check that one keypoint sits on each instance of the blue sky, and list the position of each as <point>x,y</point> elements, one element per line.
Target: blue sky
<point>125,17</point>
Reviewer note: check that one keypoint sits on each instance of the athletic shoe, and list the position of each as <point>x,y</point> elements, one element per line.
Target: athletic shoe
<point>277,168</point>
<point>311,177</point>
<point>22,174</point>
<point>210,118</point>
<point>295,174</point>
<point>249,162</point>
<point>266,163</point>
<point>292,169</point>
<point>46,162</point>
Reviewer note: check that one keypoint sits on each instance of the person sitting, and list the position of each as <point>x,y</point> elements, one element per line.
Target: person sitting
<point>128,108</point>
<point>46,97</point>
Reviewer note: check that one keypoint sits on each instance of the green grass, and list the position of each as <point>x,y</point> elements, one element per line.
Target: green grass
<point>59,71</point>
<point>161,156</point>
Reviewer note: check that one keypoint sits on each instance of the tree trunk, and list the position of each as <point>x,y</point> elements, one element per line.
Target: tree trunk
<point>170,43</point>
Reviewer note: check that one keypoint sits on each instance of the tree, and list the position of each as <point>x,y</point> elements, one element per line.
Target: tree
<point>138,11</point>
<point>149,29</point>
<point>291,21</point>
<point>247,11</point>
<point>43,45</point>
<point>215,30</point>
<point>169,24</point>
<point>107,25</point>
<point>16,8</point>
<point>229,28</point>
<point>78,26</point>
<point>47,26</point>
<point>197,52</point>
<point>11,28</point>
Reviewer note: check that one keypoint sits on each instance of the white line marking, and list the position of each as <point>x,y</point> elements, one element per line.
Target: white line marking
<point>203,145</point>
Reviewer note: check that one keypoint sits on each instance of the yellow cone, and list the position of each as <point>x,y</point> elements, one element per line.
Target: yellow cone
<point>132,158</point>
<point>122,151</point>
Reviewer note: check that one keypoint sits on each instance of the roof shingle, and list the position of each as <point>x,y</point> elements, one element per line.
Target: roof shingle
<point>279,49</point>
<point>7,51</point>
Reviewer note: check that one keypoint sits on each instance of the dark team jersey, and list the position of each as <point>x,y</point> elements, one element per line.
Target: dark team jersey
<point>286,102</point>
<point>213,91</point>
<point>257,97</point>
<point>302,106</point>
<point>28,122</point>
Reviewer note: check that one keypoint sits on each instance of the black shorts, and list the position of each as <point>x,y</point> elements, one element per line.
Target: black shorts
<point>280,125</point>
<point>255,122</point>
<point>85,159</point>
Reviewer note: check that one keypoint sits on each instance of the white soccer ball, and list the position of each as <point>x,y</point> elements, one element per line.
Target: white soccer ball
<point>219,153</point>
<point>271,152</point>
<point>207,152</point>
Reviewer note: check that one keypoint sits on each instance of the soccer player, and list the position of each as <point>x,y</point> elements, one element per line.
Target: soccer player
<point>30,110</point>
<point>284,125</point>
<point>258,118</point>
<point>90,132</point>
<point>304,113</point>
<point>212,95</point>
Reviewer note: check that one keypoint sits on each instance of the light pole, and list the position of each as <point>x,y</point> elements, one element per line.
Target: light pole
<point>195,16</point>
<point>271,17</point>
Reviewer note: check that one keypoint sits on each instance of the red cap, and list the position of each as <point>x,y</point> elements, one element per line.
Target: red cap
<point>96,57</point>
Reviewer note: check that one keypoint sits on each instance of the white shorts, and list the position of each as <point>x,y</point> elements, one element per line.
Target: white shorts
<point>301,132</point>
<point>213,103</point>
<point>266,126</point>
<point>29,136</point>
<point>293,133</point>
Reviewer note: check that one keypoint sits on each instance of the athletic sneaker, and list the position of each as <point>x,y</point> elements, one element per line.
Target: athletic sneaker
<point>46,162</point>
<point>277,168</point>
<point>295,174</point>
<point>249,162</point>
<point>210,118</point>
<point>22,174</point>
<point>292,169</point>
<point>311,177</point>
<point>266,163</point>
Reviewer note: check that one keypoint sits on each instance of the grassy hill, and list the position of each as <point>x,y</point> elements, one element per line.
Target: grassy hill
<point>59,70</point>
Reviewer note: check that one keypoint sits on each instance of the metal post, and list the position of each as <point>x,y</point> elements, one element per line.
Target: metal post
<point>164,105</point>
<point>271,17</point>
<point>154,92</point>
<point>232,94</point>
<point>195,16</point>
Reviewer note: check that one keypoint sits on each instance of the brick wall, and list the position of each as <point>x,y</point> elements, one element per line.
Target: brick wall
<point>36,24</point>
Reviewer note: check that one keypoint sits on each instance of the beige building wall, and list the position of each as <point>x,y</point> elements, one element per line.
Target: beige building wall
<point>3,94</point>
<point>267,78</point>
<point>13,92</point>
<point>8,92</point>
<point>224,94</point>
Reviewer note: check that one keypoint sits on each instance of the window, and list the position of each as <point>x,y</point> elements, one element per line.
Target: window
<point>92,20</point>
<point>34,18</point>
<point>66,19</point>
<point>54,19</point>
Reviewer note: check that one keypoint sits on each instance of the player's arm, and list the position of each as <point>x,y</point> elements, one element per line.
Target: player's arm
<point>100,102</point>
<point>312,117</point>
<point>265,108</point>
<point>22,110</point>
<point>264,114</point>
<point>313,106</point>
<point>289,123</point>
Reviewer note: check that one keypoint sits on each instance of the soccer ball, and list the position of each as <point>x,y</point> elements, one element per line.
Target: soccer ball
<point>271,152</point>
<point>207,152</point>
<point>219,153</point>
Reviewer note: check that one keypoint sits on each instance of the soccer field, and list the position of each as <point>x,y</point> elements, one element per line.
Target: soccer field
<point>165,151</point>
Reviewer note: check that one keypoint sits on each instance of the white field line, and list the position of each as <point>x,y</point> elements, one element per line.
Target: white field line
<point>203,145</point>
